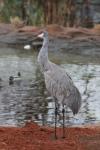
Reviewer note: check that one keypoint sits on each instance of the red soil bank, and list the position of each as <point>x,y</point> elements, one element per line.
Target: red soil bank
<point>34,137</point>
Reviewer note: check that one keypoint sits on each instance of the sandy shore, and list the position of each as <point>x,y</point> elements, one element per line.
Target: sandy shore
<point>34,137</point>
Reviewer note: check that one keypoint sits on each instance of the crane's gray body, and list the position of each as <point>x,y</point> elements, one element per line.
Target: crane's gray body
<point>58,82</point>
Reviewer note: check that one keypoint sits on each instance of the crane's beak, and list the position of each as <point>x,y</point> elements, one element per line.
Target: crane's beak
<point>40,35</point>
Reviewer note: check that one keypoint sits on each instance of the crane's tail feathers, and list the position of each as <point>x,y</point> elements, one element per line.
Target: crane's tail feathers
<point>75,101</point>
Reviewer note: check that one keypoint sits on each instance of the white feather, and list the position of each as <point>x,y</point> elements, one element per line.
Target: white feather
<point>27,47</point>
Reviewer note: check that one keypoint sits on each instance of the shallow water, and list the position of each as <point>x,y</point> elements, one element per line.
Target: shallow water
<point>27,99</point>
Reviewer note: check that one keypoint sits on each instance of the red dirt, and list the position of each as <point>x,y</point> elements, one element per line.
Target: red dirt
<point>9,31</point>
<point>60,31</point>
<point>34,137</point>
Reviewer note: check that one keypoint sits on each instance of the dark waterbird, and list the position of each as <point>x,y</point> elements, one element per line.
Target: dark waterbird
<point>13,78</point>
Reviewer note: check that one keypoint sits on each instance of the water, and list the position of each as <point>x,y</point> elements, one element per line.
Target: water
<point>27,99</point>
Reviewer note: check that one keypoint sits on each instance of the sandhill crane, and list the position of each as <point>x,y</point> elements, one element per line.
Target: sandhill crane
<point>58,83</point>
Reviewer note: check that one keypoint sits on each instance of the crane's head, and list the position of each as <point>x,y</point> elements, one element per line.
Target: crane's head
<point>43,35</point>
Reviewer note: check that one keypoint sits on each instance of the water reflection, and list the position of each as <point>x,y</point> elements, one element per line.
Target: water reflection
<point>27,99</point>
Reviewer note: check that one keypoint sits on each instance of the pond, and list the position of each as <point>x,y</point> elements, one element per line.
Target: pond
<point>27,99</point>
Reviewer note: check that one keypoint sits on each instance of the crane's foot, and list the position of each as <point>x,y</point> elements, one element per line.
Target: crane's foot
<point>63,137</point>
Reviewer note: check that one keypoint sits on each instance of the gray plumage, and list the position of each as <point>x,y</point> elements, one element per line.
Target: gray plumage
<point>58,82</point>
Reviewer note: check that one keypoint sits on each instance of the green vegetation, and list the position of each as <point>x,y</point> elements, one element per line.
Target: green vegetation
<point>37,12</point>
<point>10,8</point>
<point>28,11</point>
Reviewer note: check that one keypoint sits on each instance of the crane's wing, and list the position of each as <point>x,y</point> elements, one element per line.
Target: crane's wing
<point>61,86</point>
<point>57,81</point>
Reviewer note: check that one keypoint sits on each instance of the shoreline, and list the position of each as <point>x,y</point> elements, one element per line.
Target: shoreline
<point>35,137</point>
<point>80,41</point>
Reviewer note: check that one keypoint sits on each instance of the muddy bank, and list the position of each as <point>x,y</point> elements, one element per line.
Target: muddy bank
<point>34,137</point>
<point>72,40</point>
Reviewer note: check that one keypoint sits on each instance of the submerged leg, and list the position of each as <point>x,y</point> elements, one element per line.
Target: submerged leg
<point>56,112</point>
<point>63,112</point>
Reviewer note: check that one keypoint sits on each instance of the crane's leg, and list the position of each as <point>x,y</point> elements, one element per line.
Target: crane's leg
<point>63,112</point>
<point>56,112</point>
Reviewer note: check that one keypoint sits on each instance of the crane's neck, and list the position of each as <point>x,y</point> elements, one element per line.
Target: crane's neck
<point>43,55</point>
<point>45,42</point>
